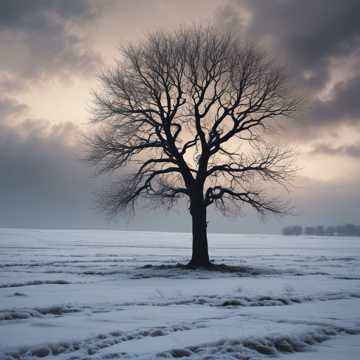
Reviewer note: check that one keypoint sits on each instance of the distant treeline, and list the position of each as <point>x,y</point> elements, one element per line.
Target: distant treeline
<point>339,230</point>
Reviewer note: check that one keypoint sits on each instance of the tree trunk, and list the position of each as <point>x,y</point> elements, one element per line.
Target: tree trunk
<point>200,253</point>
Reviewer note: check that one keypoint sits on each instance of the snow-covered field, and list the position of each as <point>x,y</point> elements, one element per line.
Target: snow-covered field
<point>105,295</point>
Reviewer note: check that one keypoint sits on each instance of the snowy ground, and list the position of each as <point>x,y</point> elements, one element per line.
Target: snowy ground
<point>102,295</point>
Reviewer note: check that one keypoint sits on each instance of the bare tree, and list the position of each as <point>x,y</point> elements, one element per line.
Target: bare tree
<point>184,113</point>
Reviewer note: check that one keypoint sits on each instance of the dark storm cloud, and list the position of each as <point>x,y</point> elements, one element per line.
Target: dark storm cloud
<point>344,104</point>
<point>309,33</point>
<point>35,15</point>
<point>35,40</point>
<point>311,38</point>
<point>310,30</point>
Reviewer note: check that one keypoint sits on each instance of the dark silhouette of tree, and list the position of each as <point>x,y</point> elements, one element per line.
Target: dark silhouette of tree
<point>330,231</point>
<point>293,230</point>
<point>184,113</point>
<point>320,230</point>
<point>310,230</point>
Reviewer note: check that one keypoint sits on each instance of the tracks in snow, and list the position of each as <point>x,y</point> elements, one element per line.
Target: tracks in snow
<point>227,301</point>
<point>228,348</point>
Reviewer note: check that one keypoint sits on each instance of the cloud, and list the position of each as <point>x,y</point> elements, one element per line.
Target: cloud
<point>38,39</point>
<point>42,181</point>
<point>344,104</point>
<point>344,150</point>
<point>10,108</point>
<point>45,184</point>
<point>326,117</point>
<point>308,34</point>
<point>34,170</point>
<point>36,15</point>
<point>315,40</point>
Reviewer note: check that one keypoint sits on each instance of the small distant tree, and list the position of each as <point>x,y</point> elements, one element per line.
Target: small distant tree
<point>319,230</point>
<point>330,231</point>
<point>293,230</point>
<point>184,113</point>
<point>310,230</point>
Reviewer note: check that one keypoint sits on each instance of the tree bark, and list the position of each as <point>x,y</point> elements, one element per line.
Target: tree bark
<point>200,253</point>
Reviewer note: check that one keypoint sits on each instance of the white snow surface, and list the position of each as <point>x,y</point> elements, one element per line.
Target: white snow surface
<point>91,294</point>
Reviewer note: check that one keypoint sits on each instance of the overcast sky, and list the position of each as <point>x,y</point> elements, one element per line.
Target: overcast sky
<point>52,50</point>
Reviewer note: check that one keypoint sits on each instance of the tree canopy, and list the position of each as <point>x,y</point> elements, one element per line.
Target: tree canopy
<point>185,113</point>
